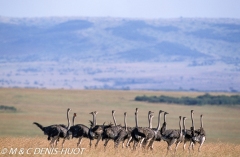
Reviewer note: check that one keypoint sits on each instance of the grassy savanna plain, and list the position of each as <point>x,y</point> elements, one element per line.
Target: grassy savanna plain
<point>47,107</point>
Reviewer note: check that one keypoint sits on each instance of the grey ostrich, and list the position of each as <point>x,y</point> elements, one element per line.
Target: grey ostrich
<point>123,134</point>
<point>78,131</point>
<point>141,133</point>
<point>136,134</point>
<point>129,131</point>
<point>198,135</point>
<point>188,134</point>
<point>183,134</point>
<point>156,131</point>
<point>56,131</point>
<point>111,132</point>
<point>96,131</point>
<point>170,135</point>
<point>146,141</point>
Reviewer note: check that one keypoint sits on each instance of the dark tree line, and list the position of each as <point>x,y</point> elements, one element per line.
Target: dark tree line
<point>199,100</point>
<point>10,108</point>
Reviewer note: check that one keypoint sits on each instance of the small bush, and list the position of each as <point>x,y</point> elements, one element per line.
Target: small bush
<point>8,108</point>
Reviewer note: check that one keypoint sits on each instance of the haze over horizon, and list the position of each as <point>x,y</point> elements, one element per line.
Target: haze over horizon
<point>150,9</point>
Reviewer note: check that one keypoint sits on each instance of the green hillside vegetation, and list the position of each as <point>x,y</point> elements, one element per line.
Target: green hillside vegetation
<point>199,100</point>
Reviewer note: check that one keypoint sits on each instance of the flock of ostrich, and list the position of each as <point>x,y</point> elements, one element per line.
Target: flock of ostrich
<point>143,137</point>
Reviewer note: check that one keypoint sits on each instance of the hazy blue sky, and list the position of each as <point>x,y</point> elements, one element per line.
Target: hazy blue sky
<point>121,8</point>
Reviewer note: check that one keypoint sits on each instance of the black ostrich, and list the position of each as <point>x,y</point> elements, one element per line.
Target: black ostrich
<point>188,135</point>
<point>96,131</point>
<point>139,134</point>
<point>124,134</point>
<point>56,131</point>
<point>78,131</point>
<point>129,138</point>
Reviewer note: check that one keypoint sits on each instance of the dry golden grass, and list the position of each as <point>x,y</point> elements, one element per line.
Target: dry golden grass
<point>217,149</point>
<point>49,107</point>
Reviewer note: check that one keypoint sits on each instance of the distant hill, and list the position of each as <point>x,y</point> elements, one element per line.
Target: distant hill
<point>114,53</point>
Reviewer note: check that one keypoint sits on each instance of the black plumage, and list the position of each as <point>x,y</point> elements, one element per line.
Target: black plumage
<point>197,136</point>
<point>141,133</point>
<point>51,130</point>
<point>124,134</point>
<point>96,131</point>
<point>129,136</point>
<point>78,131</point>
<point>56,131</point>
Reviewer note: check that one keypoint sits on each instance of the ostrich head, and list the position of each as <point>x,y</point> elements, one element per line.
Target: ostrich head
<point>150,112</point>
<point>137,110</point>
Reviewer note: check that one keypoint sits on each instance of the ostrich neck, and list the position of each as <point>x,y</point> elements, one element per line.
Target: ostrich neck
<point>159,118</point>
<point>68,120</point>
<point>125,122</point>
<point>184,128</point>
<point>150,122</point>
<point>114,119</point>
<point>180,127</point>
<point>136,120</point>
<point>192,121</point>
<point>201,121</point>
<point>94,119</point>
<point>165,121</point>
